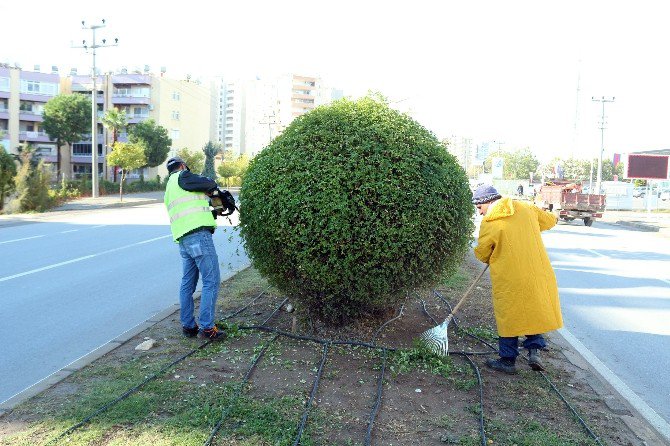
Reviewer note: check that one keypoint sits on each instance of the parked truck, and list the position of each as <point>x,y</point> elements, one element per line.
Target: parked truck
<point>566,200</point>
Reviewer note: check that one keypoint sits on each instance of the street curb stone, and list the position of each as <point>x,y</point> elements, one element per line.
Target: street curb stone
<point>639,225</point>
<point>35,389</point>
<point>56,377</point>
<point>615,400</point>
<point>90,357</point>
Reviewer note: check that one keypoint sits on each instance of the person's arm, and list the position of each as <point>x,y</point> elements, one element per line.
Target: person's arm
<point>546,219</point>
<point>196,183</point>
<point>485,243</point>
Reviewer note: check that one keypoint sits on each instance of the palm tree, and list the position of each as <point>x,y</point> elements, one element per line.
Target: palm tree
<point>115,120</point>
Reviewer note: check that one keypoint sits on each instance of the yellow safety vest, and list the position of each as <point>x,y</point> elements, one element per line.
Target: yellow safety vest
<point>187,210</point>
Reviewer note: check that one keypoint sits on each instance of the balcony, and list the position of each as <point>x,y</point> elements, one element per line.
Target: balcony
<point>130,100</point>
<point>34,136</point>
<point>134,118</point>
<point>27,115</point>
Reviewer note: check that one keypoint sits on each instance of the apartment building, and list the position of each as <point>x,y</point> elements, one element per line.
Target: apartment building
<point>182,107</point>
<point>463,149</point>
<point>253,112</point>
<point>23,95</point>
<point>230,115</point>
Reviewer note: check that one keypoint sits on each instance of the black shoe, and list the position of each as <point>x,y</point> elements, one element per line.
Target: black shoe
<point>212,334</point>
<point>190,332</point>
<point>502,365</point>
<point>534,360</point>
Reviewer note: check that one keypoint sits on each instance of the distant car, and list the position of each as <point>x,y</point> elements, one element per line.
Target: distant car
<point>665,195</point>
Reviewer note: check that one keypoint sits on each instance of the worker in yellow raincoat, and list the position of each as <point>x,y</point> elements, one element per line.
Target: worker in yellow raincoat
<point>525,293</point>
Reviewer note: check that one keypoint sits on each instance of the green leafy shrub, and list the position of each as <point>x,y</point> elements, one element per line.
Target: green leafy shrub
<point>351,207</point>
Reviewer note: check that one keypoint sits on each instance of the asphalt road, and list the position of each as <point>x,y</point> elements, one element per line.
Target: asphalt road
<point>614,285</point>
<point>71,283</point>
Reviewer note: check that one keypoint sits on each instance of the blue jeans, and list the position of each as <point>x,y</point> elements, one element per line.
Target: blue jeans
<point>199,257</point>
<point>509,347</point>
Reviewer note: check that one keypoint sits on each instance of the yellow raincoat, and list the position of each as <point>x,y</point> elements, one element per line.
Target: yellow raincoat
<point>525,294</point>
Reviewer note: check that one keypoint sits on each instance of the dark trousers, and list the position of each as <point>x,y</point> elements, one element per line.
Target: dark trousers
<point>509,347</point>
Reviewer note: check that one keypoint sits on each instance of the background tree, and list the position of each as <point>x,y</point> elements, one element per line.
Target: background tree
<point>115,120</point>
<point>67,117</point>
<point>232,167</point>
<point>210,150</point>
<point>194,160</point>
<point>154,139</point>
<point>127,156</point>
<point>609,171</point>
<point>7,174</point>
<point>32,183</point>
<point>517,164</point>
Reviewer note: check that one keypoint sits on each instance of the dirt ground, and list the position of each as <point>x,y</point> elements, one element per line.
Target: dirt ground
<point>425,400</point>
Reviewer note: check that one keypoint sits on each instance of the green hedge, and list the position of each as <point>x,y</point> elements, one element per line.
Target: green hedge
<point>351,207</point>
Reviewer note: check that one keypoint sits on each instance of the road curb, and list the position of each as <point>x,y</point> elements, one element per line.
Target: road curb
<point>638,225</point>
<point>59,375</point>
<point>648,425</point>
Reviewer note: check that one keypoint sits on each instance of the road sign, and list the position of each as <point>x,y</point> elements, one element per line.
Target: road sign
<point>647,167</point>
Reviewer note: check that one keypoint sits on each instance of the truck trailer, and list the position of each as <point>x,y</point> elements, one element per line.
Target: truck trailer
<point>566,200</point>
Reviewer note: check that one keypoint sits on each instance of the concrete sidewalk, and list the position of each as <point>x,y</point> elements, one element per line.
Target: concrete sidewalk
<point>83,204</point>
<point>639,220</point>
<point>110,201</point>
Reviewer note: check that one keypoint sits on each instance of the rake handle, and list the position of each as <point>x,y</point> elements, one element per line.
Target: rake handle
<point>467,293</point>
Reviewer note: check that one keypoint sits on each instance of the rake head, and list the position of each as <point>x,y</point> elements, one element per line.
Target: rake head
<point>436,340</point>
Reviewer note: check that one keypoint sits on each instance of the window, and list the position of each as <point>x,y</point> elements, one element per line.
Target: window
<point>4,84</point>
<point>175,115</point>
<point>36,87</point>
<point>176,95</point>
<point>174,134</point>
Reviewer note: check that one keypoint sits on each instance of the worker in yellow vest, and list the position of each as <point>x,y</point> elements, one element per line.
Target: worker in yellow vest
<point>192,224</point>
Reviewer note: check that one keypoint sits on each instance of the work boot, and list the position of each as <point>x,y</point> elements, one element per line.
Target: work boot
<point>534,360</point>
<point>190,332</point>
<point>212,334</point>
<point>504,365</point>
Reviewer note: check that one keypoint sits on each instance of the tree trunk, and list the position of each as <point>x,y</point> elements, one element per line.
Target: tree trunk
<point>123,177</point>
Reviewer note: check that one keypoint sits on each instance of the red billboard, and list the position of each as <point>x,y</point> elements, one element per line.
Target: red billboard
<point>647,167</point>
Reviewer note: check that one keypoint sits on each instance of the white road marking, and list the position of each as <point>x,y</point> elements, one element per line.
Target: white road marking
<point>71,230</point>
<point>19,239</point>
<point>79,259</point>
<point>596,253</point>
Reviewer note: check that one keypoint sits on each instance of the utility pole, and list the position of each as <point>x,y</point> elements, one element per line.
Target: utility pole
<point>95,193</point>
<point>599,178</point>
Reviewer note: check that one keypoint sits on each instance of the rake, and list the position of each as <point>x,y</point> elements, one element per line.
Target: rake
<point>436,339</point>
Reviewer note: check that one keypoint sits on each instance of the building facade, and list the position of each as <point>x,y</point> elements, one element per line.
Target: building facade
<point>23,95</point>
<point>182,107</point>
<point>253,112</point>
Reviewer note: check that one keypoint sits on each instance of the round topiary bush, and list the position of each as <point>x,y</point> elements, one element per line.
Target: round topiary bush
<point>353,205</point>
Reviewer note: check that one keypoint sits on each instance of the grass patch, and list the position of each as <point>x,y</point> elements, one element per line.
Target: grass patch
<point>485,333</point>
<point>166,412</point>
<point>523,432</point>
<point>456,280</point>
